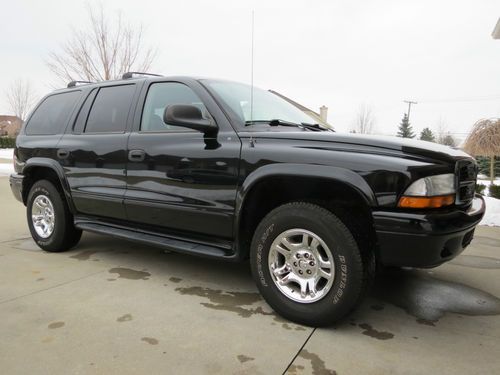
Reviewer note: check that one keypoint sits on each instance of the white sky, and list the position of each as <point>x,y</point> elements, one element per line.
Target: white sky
<point>337,53</point>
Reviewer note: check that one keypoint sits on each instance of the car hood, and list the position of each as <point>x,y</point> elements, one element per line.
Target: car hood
<point>404,145</point>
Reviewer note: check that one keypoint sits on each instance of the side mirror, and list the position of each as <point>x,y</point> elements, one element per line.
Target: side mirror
<point>188,116</point>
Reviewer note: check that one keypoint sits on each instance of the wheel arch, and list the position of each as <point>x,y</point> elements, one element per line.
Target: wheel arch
<point>342,191</point>
<point>46,169</point>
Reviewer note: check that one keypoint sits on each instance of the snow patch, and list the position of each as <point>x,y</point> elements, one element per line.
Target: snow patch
<point>492,215</point>
<point>6,169</point>
<point>6,153</point>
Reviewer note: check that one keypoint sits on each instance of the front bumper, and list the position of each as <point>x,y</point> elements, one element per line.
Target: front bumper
<point>425,239</point>
<point>16,185</point>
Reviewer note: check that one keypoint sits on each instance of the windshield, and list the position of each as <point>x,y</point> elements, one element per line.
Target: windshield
<point>266,106</point>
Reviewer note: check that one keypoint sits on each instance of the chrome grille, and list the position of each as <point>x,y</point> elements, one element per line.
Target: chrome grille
<point>466,174</point>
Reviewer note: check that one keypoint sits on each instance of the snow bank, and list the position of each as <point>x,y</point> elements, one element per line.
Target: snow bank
<point>6,169</point>
<point>6,153</point>
<point>492,215</point>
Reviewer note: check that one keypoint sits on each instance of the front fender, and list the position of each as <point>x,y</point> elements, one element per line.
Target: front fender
<point>346,176</point>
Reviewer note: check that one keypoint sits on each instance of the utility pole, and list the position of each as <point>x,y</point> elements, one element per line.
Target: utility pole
<point>409,107</point>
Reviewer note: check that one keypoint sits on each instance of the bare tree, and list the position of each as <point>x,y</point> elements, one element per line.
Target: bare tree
<point>103,51</point>
<point>364,120</point>
<point>20,97</point>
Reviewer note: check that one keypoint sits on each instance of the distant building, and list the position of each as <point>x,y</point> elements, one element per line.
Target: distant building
<point>321,117</point>
<point>10,126</point>
<point>496,31</point>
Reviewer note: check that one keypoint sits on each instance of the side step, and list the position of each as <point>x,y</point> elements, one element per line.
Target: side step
<point>168,243</point>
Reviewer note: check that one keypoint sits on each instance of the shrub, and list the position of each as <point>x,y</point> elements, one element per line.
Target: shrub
<point>495,191</point>
<point>480,189</point>
<point>7,142</point>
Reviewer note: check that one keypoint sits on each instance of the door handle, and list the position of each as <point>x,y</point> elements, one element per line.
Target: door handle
<point>62,154</point>
<point>136,155</point>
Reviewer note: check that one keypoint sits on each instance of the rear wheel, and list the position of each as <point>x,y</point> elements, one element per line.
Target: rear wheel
<point>307,265</point>
<point>49,219</point>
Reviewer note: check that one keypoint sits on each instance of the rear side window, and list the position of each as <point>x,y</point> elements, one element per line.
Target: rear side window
<point>109,112</point>
<point>53,114</point>
<point>81,119</point>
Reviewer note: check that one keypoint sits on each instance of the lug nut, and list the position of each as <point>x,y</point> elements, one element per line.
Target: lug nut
<point>306,255</point>
<point>295,264</point>
<point>301,272</point>
<point>311,263</point>
<point>298,256</point>
<point>308,272</point>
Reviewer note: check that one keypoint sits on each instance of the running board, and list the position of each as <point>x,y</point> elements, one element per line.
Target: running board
<point>165,242</point>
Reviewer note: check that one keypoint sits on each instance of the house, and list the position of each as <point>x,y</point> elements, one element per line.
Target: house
<point>10,126</point>
<point>321,117</point>
<point>496,31</point>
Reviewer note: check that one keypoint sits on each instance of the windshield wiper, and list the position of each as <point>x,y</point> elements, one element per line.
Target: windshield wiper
<point>278,122</point>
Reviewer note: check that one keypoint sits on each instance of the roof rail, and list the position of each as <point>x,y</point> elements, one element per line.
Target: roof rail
<point>129,75</point>
<point>74,83</point>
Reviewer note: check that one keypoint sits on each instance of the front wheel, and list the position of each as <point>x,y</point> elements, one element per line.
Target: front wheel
<point>307,265</point>
<point>49,219</point>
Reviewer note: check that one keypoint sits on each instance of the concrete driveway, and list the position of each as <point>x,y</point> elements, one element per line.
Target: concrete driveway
<point>115,307</point>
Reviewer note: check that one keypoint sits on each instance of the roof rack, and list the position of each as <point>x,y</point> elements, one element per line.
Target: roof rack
<point>129,75</point>
<point>74,83</point>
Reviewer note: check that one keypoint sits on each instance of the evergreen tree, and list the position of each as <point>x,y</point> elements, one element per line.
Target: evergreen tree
<point>427,135</point>
<point>405,129</point>
<point>484,165</point>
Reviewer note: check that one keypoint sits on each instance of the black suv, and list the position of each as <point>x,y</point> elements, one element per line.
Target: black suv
<point>223,170</point>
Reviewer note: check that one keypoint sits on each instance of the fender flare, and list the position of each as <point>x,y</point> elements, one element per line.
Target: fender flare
<point>335,174</point>
<point>58,169</point>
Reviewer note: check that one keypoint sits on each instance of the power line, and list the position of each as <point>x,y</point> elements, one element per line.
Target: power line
<point>409,107</point>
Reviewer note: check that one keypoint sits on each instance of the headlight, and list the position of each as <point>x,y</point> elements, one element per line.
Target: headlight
<point>430,192</point>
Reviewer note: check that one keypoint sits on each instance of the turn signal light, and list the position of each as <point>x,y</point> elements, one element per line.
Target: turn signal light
<point>426,202</point>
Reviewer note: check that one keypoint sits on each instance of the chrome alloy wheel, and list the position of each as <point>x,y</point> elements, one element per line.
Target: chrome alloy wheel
<point>43,216</point>
<point>301,265</point>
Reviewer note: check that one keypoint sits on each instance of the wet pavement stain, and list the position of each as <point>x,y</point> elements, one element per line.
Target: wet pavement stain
<point>150,340</point>
<point>175,279</point>
<point>228,301</point>
<point>243,358</point>
<point>234,302</point>
<point>428,299</point>
<point>475,261</point>
<point>295,369</point>
<point>56,325</point>
<point>84,255</point>
<point>125,318</point>
<point>425,322</point>
<point>48,339</point>
<point>379,335</point>
<point>318,365</point>
<point>40,279</point>
<point>127,273</point>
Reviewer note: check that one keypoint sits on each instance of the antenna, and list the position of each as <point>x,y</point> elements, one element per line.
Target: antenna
<point>251,73</point>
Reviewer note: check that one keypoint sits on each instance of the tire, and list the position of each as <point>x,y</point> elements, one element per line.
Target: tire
<point>342,290</point>
<point>60,234</point>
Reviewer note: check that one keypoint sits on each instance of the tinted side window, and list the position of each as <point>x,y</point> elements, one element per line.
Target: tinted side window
<point>161,95</point>
<point>53,114</point>
<point>109,112</point>
<point>81,119</point>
